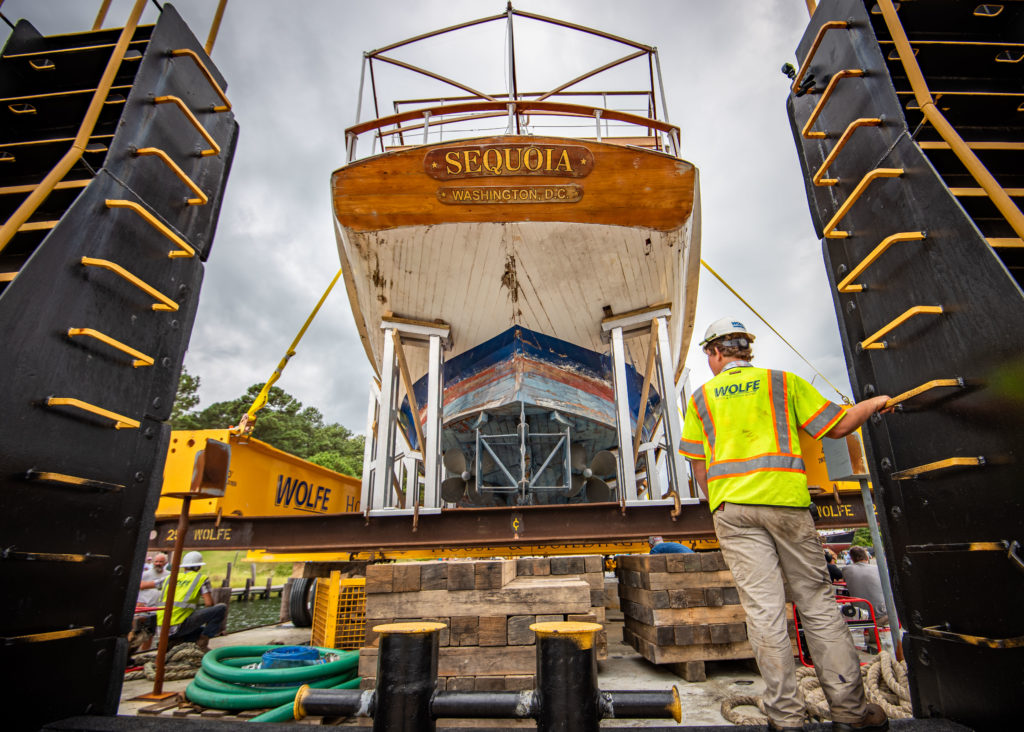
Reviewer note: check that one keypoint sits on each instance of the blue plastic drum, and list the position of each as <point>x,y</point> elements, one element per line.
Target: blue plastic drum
<point>290,657</point>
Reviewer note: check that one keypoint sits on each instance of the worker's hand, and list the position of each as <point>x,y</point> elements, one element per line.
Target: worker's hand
<point>880,402</point>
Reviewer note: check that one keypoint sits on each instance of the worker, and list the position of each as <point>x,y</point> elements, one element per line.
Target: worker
<point>834,573</point>
<point>740,436</point>
<point>863,581</point>
<point>189,621</point>
<point>660,546</point>
<point>153,578</point>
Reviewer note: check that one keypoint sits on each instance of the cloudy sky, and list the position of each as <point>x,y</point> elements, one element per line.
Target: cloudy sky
<point>293,78</point>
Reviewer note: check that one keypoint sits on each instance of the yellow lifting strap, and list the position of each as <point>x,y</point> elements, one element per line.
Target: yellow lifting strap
<point>248,421</point>
<point>846,399</point>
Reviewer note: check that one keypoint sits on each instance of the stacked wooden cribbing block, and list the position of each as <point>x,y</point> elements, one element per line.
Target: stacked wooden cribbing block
<point>682,609</point>
<point>488,607</point>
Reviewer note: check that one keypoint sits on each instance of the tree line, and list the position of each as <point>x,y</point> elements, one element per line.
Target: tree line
<point>284,423</point>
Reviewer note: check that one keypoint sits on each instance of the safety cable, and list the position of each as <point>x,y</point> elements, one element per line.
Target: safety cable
<point>248,421</point>
<point>846,399</point>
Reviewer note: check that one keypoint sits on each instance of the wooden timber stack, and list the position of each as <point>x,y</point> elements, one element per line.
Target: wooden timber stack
<point>488,607</point>
<point>682,610</point>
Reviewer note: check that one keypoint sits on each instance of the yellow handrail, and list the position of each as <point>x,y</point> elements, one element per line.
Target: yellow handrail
<point>120,421</point>
<point>1002,201</point>
<point>52,635</point>
<point>828,232</point>
<point>141,359</point>
<point>32,202</point>
<point>215,27</point>
<point>38,226</point>
<point>928,386</point>
<point>171,99</point>
<point>818,180</point>
<point>825,28</point>
<point>870,343</point>
<point>165,303</point>
<point>184,249</point>
<point>101,15</point>
<point>938,465</point>
<point>846,287</point>
<point>189,53</point>
<point>825,96</point>
<point>65,479</point>
<point>943,632</point>
<point>32,186</point>
<point>201,198</point>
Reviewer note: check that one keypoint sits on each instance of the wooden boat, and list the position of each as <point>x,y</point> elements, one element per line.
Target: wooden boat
<point>523,245</point>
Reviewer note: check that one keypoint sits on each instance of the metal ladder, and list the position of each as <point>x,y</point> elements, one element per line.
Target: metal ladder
<point>114,155</point>
<point>910,141</point>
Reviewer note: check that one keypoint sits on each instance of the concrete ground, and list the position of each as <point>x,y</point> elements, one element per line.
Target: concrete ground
<point>701,700</point>
<point>624,669</point>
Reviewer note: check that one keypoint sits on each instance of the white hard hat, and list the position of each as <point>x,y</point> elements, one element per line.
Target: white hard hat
<point>193,559</point>
<point>723,327</point>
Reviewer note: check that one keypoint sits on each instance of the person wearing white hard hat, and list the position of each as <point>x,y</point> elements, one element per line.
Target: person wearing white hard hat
<point>741,438</point>
<point>189,621</point>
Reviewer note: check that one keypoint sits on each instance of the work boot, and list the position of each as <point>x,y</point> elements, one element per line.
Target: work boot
<point>874,720</point>
<point>203,643</point>
<point>777,728</point>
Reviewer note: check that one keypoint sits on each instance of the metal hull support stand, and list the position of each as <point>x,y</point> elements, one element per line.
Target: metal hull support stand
<point>616,329</point>
<point>382,492</point>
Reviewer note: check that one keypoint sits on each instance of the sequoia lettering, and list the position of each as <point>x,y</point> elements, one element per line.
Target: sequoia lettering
<point>561,161</point>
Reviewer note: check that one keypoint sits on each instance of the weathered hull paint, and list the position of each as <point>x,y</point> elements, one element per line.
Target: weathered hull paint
<point>523,366</point>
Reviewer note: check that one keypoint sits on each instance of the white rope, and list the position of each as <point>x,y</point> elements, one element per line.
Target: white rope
<point>885,684</point>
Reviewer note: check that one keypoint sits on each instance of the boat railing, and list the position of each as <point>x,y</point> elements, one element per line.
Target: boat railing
<point>446,117</point>
<point>426,117</point>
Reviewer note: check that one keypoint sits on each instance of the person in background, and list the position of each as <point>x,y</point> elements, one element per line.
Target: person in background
<point>152,583</point>
<point>834,573</point>
<point>741,436</point>
<point>189,621</point>
<point>144,625</point>
<point>863,580</point>
<point>660,546</point>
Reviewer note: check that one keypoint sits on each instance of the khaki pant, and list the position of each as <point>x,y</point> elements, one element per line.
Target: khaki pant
<point>761,545</point>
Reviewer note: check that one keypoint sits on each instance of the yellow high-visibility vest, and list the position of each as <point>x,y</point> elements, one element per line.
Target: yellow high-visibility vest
<point>187,597</point>
<point>743,424</point>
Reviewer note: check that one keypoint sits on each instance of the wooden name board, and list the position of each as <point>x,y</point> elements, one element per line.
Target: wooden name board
<point>510,194</point>
<point>513,159</point>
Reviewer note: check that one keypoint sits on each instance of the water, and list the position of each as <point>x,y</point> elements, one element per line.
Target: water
<point>252,614</point>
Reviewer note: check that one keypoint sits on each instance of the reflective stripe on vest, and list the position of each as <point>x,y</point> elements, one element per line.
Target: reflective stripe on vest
<point>691,447</point>
<point>820,421</point>
<point>700,403</point>
<point>765,462</point>
<point>780,410</point>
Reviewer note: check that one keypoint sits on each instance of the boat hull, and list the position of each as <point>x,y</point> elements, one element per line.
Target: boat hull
<point>626,238</point>
<point>543,374</point>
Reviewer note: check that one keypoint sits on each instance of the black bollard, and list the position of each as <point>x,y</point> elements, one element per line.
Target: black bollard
<point>567,696</point>
<point>406,676</point>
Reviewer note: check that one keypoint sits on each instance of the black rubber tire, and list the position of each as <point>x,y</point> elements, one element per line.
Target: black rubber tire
<point>300,602</point>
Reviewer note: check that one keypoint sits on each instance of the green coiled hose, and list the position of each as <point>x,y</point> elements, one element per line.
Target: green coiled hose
<point>220,684</point>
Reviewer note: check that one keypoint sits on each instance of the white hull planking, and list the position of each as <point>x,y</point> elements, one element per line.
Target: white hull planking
<point>482,278</point>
